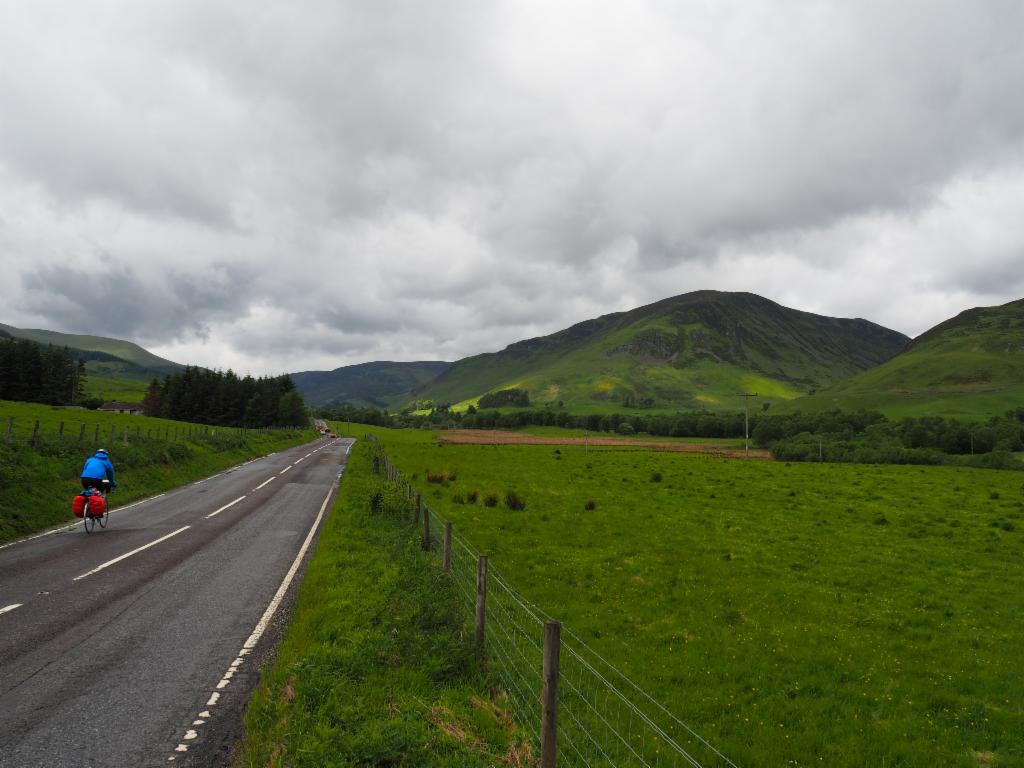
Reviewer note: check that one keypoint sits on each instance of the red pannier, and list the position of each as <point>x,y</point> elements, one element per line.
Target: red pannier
<point>97,505</point>
<point>78,505</point>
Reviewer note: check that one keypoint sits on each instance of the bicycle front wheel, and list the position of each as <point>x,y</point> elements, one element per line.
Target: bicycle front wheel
<point>89,521</point>
<point>102,519</point>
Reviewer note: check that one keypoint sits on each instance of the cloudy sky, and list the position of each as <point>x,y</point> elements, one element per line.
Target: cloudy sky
<point>290,186</point>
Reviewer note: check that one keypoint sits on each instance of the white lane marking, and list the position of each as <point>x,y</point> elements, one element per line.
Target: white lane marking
<point>72,526</point>
<point>11,607</point>
<point>261,626</point>
<point>133,552</point>
<point>297,461</point>
<point>283,471</point>
<point>213,700</point>
<point>190,734</point>
<point>231,504</point>
<point>265,482</point>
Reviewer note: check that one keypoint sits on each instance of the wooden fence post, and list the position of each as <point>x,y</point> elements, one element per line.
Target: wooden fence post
<point>149,432</point>
<point>96,434</point>
<point>60,432</point>
<point>481,600</point>
<point>376,465</point>
<point>446,563</point>
<point>138,431</point>
<point>113,432</point>
<point>10,427</point>
<point>419,506</point>
<point>426,528</point>
<point>35,434</point>
<point>81,433</point>
<point>549,698</point>
<point>126,435</point>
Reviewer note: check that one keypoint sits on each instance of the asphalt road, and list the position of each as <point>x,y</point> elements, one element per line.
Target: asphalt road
<point>140,644</point>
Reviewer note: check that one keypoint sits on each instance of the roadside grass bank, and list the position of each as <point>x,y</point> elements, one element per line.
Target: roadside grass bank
<point>38,482</point>
<point>377,667</point>
<point>793,614</point>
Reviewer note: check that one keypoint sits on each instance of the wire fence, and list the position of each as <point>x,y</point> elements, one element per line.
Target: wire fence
<point>604,719</point>
<point>35,433</point>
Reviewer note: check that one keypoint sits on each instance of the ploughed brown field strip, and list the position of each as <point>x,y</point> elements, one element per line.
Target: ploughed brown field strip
<point>499,437</point>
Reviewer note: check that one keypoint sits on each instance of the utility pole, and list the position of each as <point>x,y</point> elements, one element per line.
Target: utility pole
<point>746,421</point>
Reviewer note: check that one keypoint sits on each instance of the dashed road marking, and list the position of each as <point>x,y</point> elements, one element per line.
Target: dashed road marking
<point>231,504</point>
<point>107,564</point>
<point>265,482</point>
<point>283,471</point>
<point>11,607</point>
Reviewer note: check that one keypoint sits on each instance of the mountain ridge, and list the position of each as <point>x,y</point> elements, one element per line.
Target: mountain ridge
<point>968,365</point>
<point>378,384</point>
<point>700,349</point>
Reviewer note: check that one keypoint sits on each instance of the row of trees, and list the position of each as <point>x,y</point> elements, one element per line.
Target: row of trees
<point>858,436</point>
<point>223,398</point>
<point>695,423</point>
<point>36,374</point>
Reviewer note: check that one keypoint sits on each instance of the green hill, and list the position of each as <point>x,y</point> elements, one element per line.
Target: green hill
<point>114,353</point>
<point>969,366</point>
<point>378,384</point>
<point>701,349</point>
<point>115,369</point>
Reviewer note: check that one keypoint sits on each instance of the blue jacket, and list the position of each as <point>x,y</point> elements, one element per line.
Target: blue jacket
<point>98,467</point>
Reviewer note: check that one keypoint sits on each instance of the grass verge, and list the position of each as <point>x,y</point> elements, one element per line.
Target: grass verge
<point>377,667</point>
<point>38,482</point>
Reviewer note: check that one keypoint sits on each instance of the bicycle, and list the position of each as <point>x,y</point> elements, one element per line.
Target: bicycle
<point>89,520</point>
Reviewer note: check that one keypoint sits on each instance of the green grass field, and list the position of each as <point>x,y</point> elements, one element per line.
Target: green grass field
<point>805,614</point>
<point>111,388</point>
<point>38,482</point>
<point>721,442</point>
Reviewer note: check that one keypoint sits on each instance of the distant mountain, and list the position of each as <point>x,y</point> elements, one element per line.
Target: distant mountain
<point>378,385</point>
<point>102,354</point>
<point>701,349</point>
<point>971,365</point>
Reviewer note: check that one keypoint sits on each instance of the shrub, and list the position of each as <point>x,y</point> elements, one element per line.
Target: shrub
<point>491,500</point>
<point>590,504</point>
<point>512,501</point>
<point>516,398</point>
<point>458,498</point>
<point>471,497</point>
<point>655,477</point>
<point>444,477</point>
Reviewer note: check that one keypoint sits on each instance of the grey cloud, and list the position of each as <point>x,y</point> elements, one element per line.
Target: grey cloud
<point>393,178</point>
<point>114,301</point>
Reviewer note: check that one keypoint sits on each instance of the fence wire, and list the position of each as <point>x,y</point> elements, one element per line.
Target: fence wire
<point>605,720</point>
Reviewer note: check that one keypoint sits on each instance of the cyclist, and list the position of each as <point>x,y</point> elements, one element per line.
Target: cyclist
<point>98,472</point>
